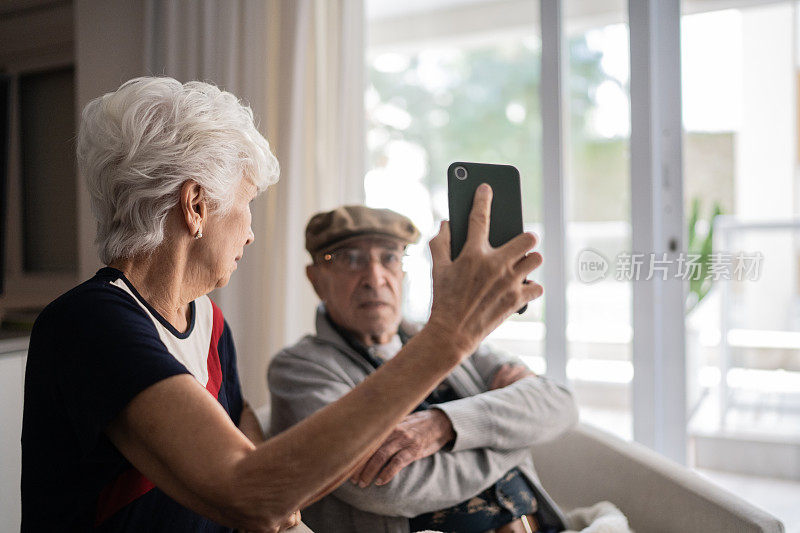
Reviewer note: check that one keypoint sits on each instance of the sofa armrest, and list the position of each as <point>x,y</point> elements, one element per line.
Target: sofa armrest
<point>587,465</point>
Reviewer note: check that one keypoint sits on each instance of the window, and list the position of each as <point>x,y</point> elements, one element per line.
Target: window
<point>459,80</point>
<point>440,83</point>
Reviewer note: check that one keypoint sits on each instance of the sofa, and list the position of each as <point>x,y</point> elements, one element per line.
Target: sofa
<point>588,465</point>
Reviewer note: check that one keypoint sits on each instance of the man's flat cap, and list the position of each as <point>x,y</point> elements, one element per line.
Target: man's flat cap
<point>331,227</point>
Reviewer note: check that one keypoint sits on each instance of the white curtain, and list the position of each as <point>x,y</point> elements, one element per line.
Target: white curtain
<point>299,64</point>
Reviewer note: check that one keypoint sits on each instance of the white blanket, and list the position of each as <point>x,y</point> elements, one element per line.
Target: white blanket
<point>603,517</point>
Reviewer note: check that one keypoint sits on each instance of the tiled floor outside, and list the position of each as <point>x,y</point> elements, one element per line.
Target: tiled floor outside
<point>776,496</point>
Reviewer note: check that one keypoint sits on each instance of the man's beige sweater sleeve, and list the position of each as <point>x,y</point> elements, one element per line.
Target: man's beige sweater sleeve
<point>530,411</point>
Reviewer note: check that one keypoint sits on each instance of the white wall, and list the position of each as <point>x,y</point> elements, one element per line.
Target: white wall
<point>109,49</point>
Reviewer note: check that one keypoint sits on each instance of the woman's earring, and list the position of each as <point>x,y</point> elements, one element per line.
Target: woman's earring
<point>199,234</point>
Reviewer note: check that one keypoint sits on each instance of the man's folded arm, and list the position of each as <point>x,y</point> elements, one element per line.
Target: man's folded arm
<point>527,412</point>
<point>299,387</point>
<point>432,483</point>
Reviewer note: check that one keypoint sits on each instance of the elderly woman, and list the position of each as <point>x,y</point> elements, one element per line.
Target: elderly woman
<point>134,418</point>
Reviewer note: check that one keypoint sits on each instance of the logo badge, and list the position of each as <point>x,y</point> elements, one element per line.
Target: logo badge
<point>592,266</point>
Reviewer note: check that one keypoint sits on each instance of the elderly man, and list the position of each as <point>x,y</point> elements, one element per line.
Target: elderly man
<point>460,461</point>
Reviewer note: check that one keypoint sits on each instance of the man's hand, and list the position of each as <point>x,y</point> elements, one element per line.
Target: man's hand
<point>419,435</point>
<point>290,522</point>
<point>249,425</point>
<point>484,285</point>
<point>508,374</point>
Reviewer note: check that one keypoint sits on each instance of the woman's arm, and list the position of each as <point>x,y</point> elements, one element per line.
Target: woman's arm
<point>195,454</point>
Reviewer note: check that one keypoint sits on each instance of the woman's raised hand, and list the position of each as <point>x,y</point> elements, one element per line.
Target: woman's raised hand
<point>484,285</point>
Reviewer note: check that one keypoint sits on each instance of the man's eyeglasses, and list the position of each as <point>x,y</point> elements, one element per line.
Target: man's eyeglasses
<point>356,259</point>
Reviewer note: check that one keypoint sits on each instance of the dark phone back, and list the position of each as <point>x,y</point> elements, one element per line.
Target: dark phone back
<point>506,216</point>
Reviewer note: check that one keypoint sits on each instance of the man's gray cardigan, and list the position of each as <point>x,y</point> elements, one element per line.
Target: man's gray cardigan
<point>494,430</point>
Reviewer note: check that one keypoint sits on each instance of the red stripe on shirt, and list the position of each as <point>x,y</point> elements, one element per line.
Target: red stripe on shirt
<point>214,368</point>
<point>129,486</point>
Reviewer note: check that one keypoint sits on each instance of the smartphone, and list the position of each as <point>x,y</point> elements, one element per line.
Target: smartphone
<point>505,221</point>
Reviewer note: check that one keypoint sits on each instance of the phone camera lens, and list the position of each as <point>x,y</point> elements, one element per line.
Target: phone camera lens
<point>461,173</point>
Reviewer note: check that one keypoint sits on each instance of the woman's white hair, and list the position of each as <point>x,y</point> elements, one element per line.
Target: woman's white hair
<point>138,145</point>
